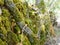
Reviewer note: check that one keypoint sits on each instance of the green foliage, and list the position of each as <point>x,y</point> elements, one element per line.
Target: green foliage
<point>1,2</point>
<point>42,6</point>
<point>2,42</point>
<point>12,38</point>
<point>25,40</point>
<point>22,24</point>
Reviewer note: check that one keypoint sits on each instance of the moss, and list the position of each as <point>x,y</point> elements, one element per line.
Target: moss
<point>16,1</point>
<point>2,42</point>
<point>25,41</point>
<point>12,38</point>
<point>1,2</point>
<point>17,30</point>
<point>20,23</point>
<point>5,12</point>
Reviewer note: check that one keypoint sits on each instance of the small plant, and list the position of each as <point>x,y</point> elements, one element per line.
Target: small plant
<point>21,24</point>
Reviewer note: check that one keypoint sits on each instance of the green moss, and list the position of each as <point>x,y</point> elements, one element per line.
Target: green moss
<point>2,42</point>
<point>25,41</point>
<point>42,6</point>
<point>5,12</point>
<point>1,2</point>
<point>20,23</point>
<point>16,1</point>
<point>17,30</point>
<point>12,38</point>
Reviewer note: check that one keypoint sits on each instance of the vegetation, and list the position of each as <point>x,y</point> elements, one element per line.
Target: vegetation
<point>21,24</point>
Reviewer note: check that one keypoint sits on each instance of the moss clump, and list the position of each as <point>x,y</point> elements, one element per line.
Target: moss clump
<point>21,24</point>
<point>1,2</point>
